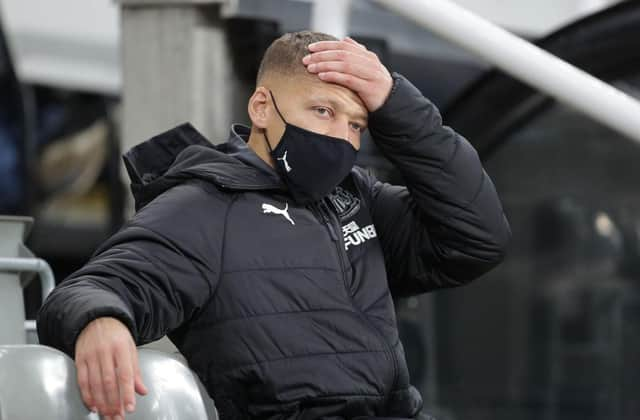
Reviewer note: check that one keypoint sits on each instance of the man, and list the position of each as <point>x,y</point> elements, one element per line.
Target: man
<point>270,261</point>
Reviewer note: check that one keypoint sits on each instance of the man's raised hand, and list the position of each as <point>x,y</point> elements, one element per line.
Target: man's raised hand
<point>350,64</point>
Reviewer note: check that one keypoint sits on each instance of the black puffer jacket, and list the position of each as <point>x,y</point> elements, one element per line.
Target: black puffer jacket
<point>286,312</point>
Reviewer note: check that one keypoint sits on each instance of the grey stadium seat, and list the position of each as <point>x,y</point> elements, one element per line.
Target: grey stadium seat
<point>38,382</point>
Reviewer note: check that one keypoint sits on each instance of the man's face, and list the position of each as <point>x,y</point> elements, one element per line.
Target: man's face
<point>324,108</point>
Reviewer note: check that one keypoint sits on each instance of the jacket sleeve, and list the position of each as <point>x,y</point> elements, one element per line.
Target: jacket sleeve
<point>153,275</point>
<point>447,227</point>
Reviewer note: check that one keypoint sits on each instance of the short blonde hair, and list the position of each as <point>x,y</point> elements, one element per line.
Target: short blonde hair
<point>284,55</point>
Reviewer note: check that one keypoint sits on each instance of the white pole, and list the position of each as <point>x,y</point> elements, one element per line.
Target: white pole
<point>525,61</point>
<point>331,17</point>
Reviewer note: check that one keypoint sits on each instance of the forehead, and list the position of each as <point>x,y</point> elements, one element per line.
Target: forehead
<point>312,90</point>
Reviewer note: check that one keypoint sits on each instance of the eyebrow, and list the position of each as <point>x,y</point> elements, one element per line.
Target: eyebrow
<point>337,105</point>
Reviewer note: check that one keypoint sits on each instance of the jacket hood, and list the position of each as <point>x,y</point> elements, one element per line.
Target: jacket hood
<point>183,153</point>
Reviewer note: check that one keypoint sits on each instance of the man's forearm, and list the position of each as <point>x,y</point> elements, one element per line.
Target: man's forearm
<point>71,306</point>
<point>445,177</point>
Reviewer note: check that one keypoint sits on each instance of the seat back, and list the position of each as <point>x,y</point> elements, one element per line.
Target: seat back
<point>175,392</point>
<point>39,382</point>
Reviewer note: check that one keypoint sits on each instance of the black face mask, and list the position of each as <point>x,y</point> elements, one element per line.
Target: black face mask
<point>310,164</point>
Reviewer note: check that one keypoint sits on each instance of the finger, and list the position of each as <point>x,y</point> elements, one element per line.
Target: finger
<point>363,72</point>
<point>85,387</point>
<point>95,385</point>
<point>335,45</point>
<point>370,54</point>
<point>338,55</point>
<point>351,82</point>
<point>139,384</point>
<point>354,42</point>
<point>110,383</point>
<point>343,46</point>
<point>124,366</point>
<point>140,387</point>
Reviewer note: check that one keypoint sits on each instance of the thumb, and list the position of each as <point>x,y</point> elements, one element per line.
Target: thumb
<point>138,384</point>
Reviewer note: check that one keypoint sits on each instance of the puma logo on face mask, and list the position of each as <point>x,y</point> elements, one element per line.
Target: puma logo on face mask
<point>284,159</point>
<point>268,208</point>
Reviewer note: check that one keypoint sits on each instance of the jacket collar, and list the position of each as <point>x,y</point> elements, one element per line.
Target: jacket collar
<point>183,153</point>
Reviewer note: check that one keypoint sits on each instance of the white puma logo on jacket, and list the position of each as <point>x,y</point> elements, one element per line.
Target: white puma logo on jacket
<point>268,208</point>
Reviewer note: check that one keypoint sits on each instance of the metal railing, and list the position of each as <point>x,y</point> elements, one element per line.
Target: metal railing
<point>36,265</point>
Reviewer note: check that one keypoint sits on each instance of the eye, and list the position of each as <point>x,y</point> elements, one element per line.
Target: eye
<point>322,111</point>
<point>357,127</point>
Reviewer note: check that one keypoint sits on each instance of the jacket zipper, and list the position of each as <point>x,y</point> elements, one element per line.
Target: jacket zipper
<point>326,216</point>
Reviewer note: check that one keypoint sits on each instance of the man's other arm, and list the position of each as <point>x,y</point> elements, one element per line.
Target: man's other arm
<point>447,227</point>
<point>151,276</point>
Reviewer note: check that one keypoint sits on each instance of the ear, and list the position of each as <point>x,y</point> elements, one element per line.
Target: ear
<point>258,109</point>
